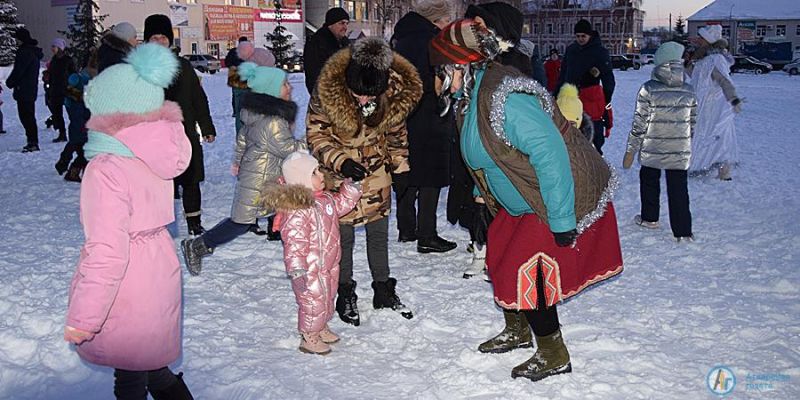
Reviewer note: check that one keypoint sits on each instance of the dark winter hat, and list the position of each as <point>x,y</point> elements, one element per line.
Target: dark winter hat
<point>583,26</point>
<point>23,35</point>
<point>367,73</point>
<point>242,39</point>
<point>158,24</point>
<point>335,15</point>
<point>554,51</point>
<point>504,19</point>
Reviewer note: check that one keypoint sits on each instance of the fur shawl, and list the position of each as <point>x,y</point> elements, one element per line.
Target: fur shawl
<point>337,102</point>
<point>110,124</point>
<point>264,104</point>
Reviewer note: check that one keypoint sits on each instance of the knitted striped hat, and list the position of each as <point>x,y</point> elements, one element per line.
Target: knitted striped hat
<point>457,43</point>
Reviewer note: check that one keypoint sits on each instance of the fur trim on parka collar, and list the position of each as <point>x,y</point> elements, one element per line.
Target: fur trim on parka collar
<point>110,124</point>
<point>282,197</point>
<point>405,90</point>
<point>264,104</point>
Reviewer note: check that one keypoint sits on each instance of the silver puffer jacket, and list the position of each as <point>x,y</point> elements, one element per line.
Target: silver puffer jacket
<point>261,145</point>
<point>663,124</point>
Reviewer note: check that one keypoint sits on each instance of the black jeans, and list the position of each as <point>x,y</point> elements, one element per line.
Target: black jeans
<point>599,138</point>
<point>133,385</point>
<point>409,221</point>
<point>27,117</point>
<point>680,218</point>
<point>56,106</point>
<point>377,251</point>
<point>191,197</point>
<point>224,232</point>
<point>543,320</point>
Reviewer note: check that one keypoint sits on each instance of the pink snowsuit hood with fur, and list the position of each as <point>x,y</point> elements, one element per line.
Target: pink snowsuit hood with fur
<point>309,225</point>
<point>127,286</point>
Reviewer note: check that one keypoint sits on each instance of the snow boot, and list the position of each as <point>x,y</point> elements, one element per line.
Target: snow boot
<point>386,297</point>
<point>645,224</point>
<point>194,226</point>
<point>515,335</point>
<point>434,244</point>
<point>724,172</point>
<point>312,344</point>
<point>62,136</point>
<point>194,250</point>
<point>327,336</point>
<point>62,165</point>
<point>176,391</point>
<point>74,173</point>
<point>347,304</point>
<point>256,230</point>
<point>478,264</point>
<point>551,358</point>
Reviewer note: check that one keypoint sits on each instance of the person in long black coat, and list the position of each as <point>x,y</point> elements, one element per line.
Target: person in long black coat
<point>190,96</point>
<point>24,80</point>
<point>60,68</point>
<point>329,39</point>
<point>429,135</point>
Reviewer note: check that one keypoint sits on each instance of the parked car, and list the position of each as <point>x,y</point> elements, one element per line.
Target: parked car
<point>793,68</point>
<point>747,63</point>
<point>640,59</point>
<point>204,62</point>
<point>622,62</point>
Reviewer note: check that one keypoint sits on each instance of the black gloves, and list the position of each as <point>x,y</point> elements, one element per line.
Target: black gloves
<point>353,170</point>
<point>565,239</point>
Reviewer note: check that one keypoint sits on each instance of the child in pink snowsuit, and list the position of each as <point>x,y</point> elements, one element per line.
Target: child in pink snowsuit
<point>308,219</point>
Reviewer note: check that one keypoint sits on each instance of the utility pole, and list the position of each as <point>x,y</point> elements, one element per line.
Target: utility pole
<point>670,26</point>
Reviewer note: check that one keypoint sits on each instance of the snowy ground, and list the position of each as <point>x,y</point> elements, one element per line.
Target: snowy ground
<point>730,298</point>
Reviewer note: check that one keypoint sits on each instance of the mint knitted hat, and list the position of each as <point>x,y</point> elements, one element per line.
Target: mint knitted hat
<point>135,86</point>
<point>263,80</point>
<point>669,51</point>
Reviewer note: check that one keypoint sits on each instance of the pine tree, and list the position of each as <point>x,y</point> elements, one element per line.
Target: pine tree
<point>85,33</point>
<point>8,25</point>
<point>282,47</point>
<point>679,34</point>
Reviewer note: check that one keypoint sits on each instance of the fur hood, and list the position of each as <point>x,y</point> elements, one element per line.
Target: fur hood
<point>110,124</point>
<point>282,197</point>
<point>405,90</point>
<point>116,43</point>
<point>270,106</point>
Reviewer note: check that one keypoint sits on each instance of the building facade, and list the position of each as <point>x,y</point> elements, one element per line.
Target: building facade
<point>550,23</point>
<point>750,22</point>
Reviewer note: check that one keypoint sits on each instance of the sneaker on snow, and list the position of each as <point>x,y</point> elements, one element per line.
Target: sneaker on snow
<point>645,224</point>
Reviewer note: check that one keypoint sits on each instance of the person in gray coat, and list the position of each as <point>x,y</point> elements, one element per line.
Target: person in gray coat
<point>261,146</point>
<point>663,126</point>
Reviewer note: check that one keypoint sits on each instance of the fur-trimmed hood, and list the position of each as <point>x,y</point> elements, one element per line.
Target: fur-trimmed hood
<point>111,124</point>
<point>282,197</point>
<point>405,90</point>
<point>270,106</point>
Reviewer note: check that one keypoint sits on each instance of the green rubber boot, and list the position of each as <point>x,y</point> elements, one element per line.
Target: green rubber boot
<point>551,358</point>
<point>516,335</point>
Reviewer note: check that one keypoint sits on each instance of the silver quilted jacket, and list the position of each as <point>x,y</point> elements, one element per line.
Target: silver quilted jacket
<point>663,124</point>
<point>262,143</point>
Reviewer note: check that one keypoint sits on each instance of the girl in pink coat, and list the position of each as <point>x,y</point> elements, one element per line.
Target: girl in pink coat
<point>308,219</point>
<point>125,297</point>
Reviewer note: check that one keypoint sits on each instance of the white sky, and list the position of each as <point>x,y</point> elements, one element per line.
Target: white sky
<point>658,10</point>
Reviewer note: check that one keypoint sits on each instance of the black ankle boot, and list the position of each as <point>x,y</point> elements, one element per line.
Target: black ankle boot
<point>176,391</point>
<point>194,226</point>
<point>347,304</point>
<point>271,234</point>
<point>386,297</point>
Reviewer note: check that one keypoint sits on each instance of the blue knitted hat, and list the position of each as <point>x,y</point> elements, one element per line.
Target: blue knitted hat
<point>135,86</point>
<point>263,80</point>
<point>669,51</point>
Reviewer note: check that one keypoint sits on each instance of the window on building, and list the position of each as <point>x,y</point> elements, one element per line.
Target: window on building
<point>228,2</point>
<point>726,31</point>
<point>780,30</point>
<point>536,29</point>
<point>761,30</point>
<point>213,49</point>
<point>526,28</point>
<point>797,30</point>
<point>359,14</point>
<point>608,27</point>
<point>598,26</point>
<point>350,7</point>
<point>562,29</point>
<point>194,45</point>
<point>549,29</point>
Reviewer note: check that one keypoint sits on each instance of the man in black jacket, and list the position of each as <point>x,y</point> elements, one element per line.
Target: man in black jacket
<point>24,80</point>
<point>190,96</point>
<point>329,39</point>
<point>586,64</point>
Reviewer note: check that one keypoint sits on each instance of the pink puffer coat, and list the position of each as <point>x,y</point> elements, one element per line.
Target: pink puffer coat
<point>127,286</point>
<point>309,225</point>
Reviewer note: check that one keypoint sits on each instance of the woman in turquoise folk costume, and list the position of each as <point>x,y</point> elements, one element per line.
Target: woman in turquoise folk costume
<point>554,232</point>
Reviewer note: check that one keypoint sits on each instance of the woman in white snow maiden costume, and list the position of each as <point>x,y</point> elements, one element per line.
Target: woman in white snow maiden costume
<point>125,297</point>
<point>714,143</point>
<point>554,231</point>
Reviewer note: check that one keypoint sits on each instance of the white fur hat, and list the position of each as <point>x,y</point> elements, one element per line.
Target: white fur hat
<point>711,33</point>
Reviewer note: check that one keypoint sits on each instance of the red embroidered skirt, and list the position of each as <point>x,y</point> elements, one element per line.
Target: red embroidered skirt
<point>517,245</point>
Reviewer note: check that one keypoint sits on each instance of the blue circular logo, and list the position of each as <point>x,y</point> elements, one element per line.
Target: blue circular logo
<point>721,380</point>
